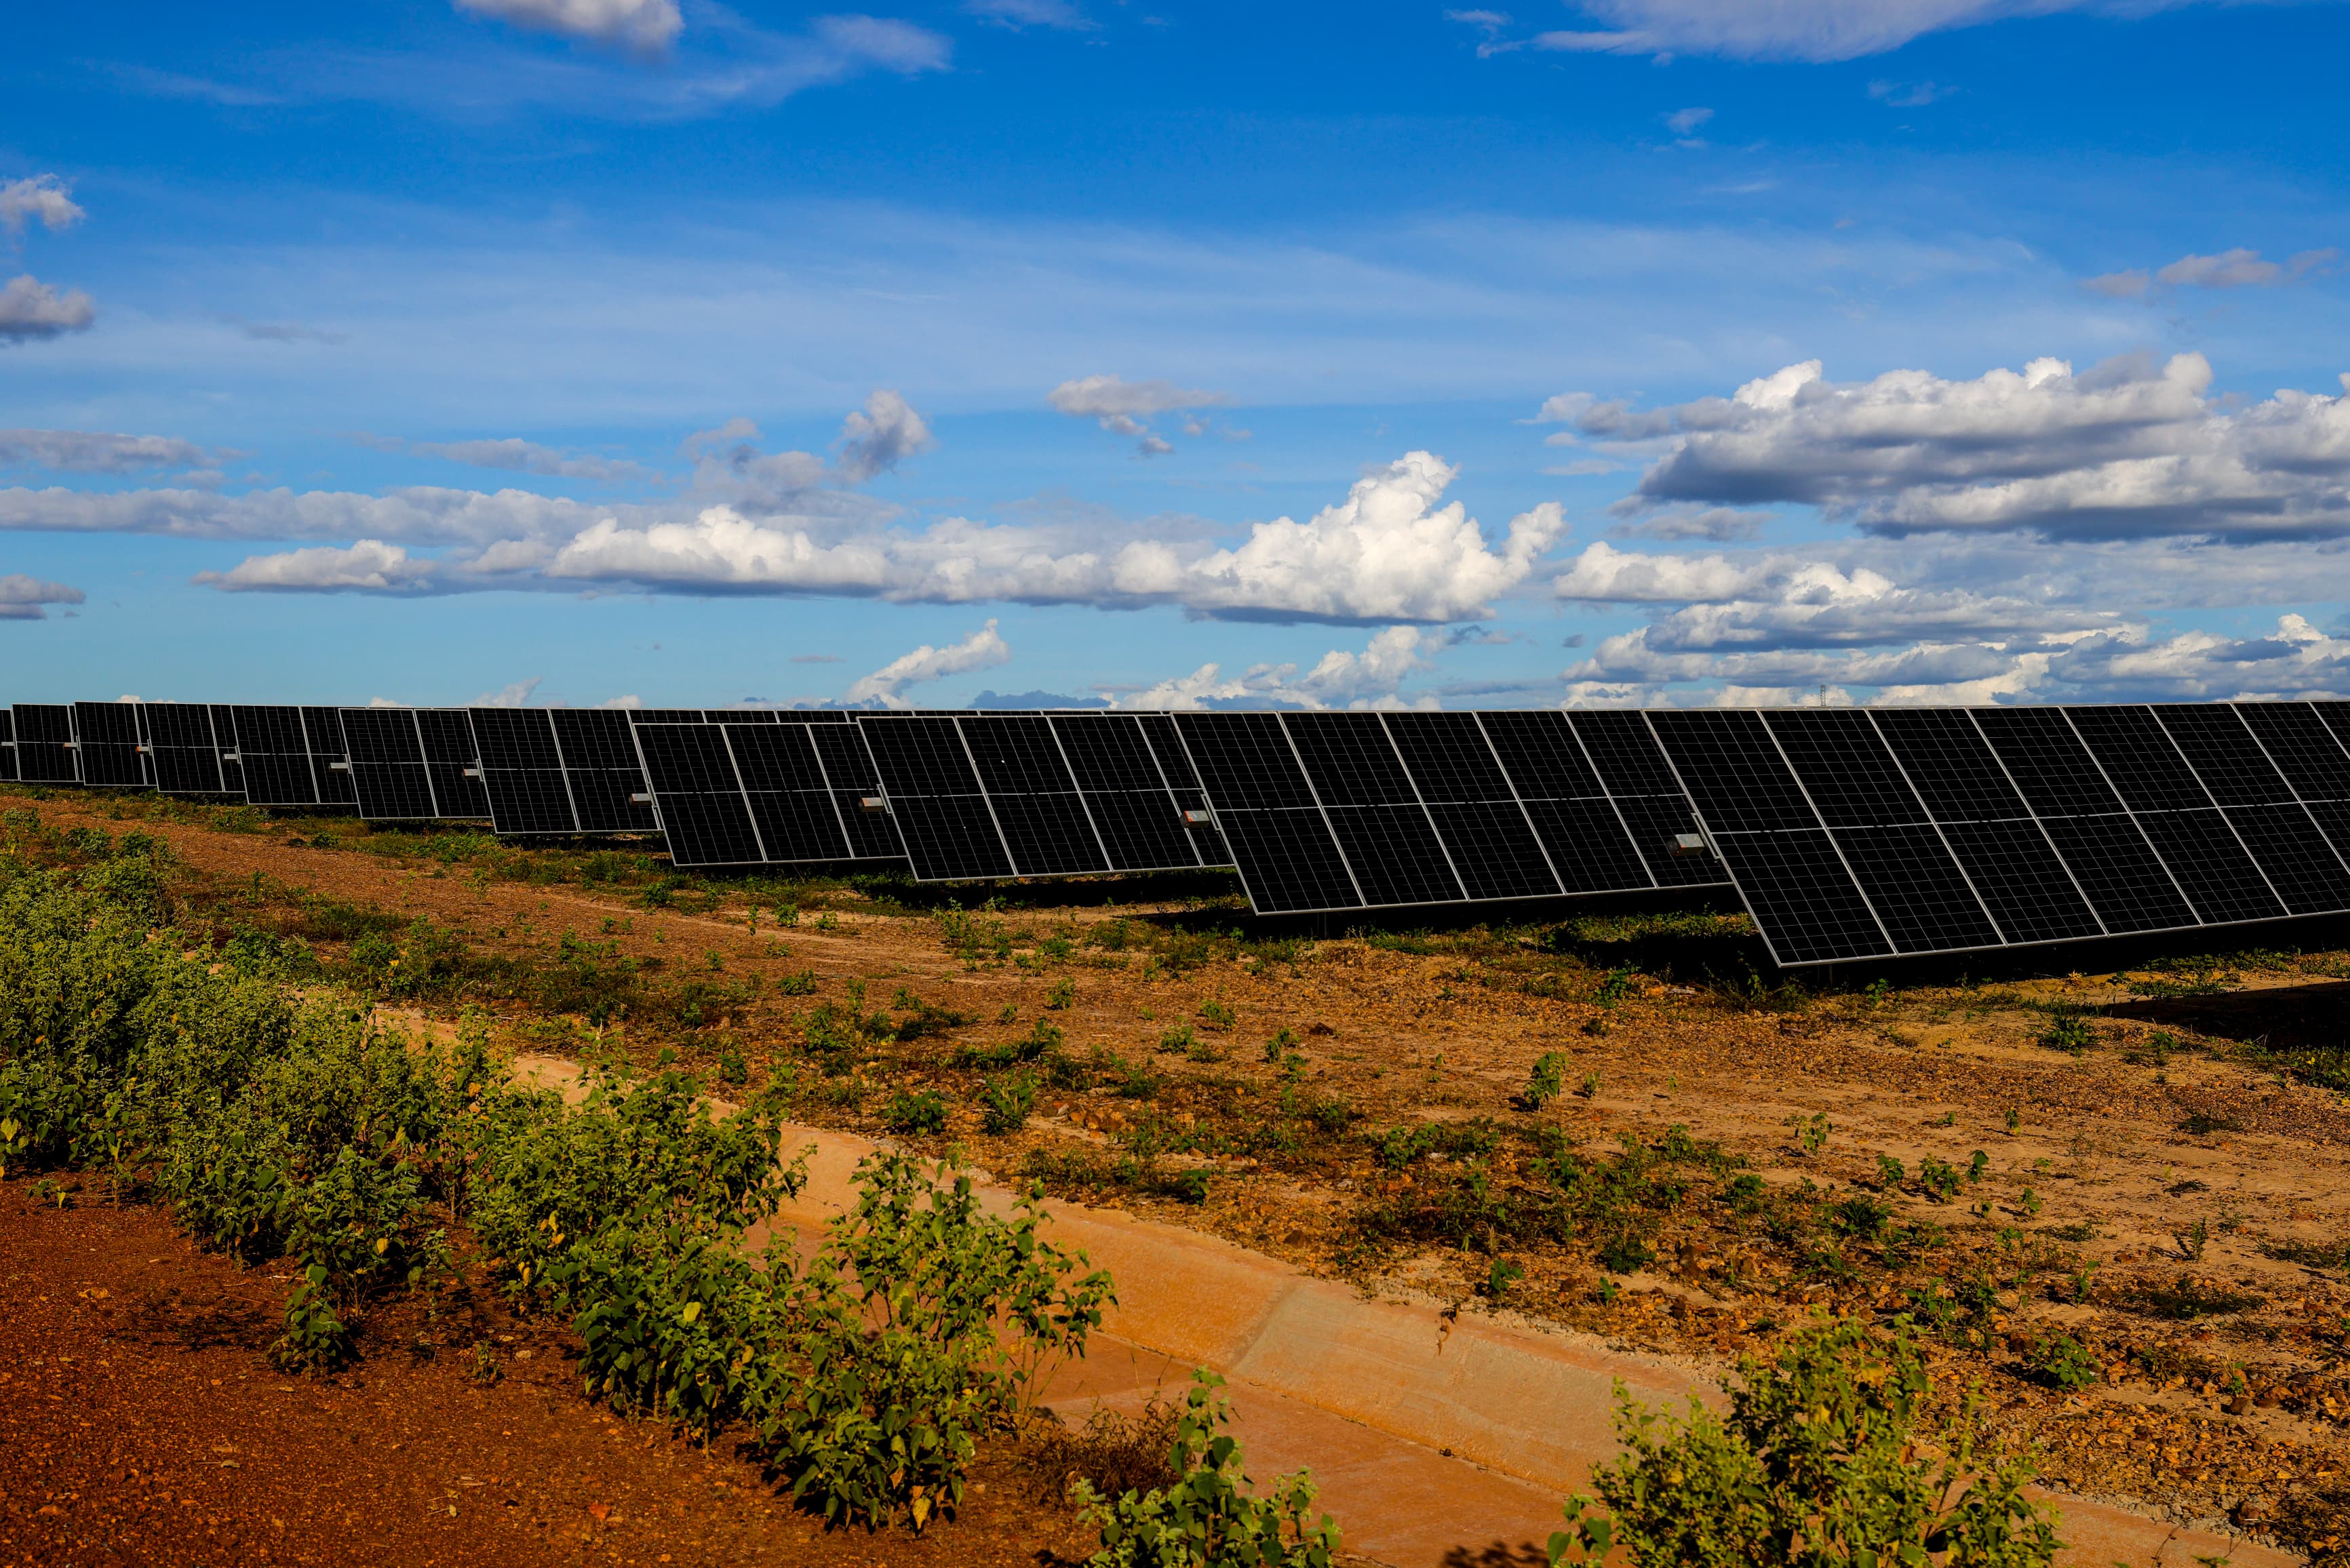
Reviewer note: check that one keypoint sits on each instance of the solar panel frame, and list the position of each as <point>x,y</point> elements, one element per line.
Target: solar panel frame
<point>791,801</point>
<point>45,743</point>
<point>273,755</point>
<point>1134,809</point>
<point>1555,779</point>
<point>330,755</point>
<point>224,737</point>
<point>7,745</point>
<point>524,782</point>
<point>453,764</point>
<point>111,746</point>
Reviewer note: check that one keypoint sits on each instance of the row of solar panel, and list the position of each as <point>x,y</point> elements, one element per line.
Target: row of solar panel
<point>1849,833</point>
<point>1855,834</point>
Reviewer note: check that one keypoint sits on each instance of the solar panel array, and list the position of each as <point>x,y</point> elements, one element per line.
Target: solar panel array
<point>1851,834</point>
<point>1862,833</point>
<point>1361,811</point>
<point>979,795</point>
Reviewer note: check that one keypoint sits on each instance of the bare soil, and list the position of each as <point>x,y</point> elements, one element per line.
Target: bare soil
<point>2168,1196</point>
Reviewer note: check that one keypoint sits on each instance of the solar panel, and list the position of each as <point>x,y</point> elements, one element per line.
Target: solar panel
<point>183,749</point>
<point>522,779</point>
<point>935,796</point>
<point>225,738</point>
<point>603,772</point>
<point>698,794</point>
<point>387,765</point>
<point>8,745</point>
<point>762,793</point>
<point>45,743</point>
<point>453,762</point>
<point>111,746</point>
<point>1031,794</point>
<point>291,757</point>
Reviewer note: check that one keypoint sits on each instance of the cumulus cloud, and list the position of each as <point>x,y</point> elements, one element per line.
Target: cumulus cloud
<point>1121,407</point>
<point>1812,30</point>
<point>94,451</point>
<point>1685,121</point>
<point>43,198</point>
<point>886,685</point>
<point>1016,14</point>
<point>2130,450</point>
<point>2297,661</point>
<point>1340,679</point>
<point>648,26</point>
<point>30,308</point>
<point>370,566</point>
<point>22,597</point>
<point>517,455</point>
<point>878,438</point>
<point>510,696</point>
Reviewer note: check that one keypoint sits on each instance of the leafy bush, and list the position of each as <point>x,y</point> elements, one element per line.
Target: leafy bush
<point>1818,1463</point>
<point>916,1111</point>
<point>1547,1082</point>
<point>2061,1362</point>
<point>1208,1518</point>
<point>1004,1103</point>
<point>2068,1032</point>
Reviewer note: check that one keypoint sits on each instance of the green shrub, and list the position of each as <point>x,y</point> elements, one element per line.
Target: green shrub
<point>916,1111</point>
<point>1004,1103</point>
<point>1547,1082</point>
<point>1817,1463</point>
<point>1208,1518</point>
<point>2069,1033</point>
<point>2061,1362</point>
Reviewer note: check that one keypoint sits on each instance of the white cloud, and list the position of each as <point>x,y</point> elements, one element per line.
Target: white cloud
<point>2298,661</point>
<point>2135,284</point>
<point>1340,679</point>
<point>886,685</point>
<point>1121,407</point>
<point>646,25</point>
<point>1387,552</point>
<point>1909,95</point>
<point>510,696</point>
<point>1792,30</point>
<point>285,331</point>
<point>44,197</point>
<point>94,451</point>
<point>21,598</point>
<point>30,308</point>
<point>370,565</point>
<point>513,453</point>
<point>1032,14</point>
<point>1685,121</point>
<point>418,514</point>
<point>2127,451</point>
<point>876,439</point>
<point>1722,524</point>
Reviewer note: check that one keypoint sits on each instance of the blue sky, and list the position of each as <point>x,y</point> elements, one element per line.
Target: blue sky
<point>577,350</point>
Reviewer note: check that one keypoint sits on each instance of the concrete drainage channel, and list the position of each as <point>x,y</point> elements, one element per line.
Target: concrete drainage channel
<point>1435,1443</point>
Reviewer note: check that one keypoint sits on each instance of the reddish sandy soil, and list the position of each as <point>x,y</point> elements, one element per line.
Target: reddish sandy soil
<point>141,1423</point>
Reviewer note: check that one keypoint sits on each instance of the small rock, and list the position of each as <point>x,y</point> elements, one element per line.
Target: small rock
<point>2242,1405</point>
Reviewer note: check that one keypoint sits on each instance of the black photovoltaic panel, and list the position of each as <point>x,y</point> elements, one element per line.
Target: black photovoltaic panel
<point>387,765</point>
<point>1804,900</point>
<point>1647,794</point>
<point>2227,758</point>
<point>224,737</point>
<point>1374,811</point>
<point>273,753</point>
<point>2301,747</point>
<point>8,745</point>
<point>848,768</point>
<point>784,784</point>
<point>1175,763</point>
<point>183,749</point>
<point>703,812</point>
<point>330,756</point>
<point>1492,845</point>
<point>935,796</point>
<point>111,746</point>
<point>45,751</point>
<point>1288,861</point>
<point>2125,883</point>
<point>522,771</point>
<point>601,770</point>
<point>2288,845</point>
<point>1128,798</point>
<point>2208,861</point>
<point>453,762</point>
<point>1592,845</point>
<point>1030,793</point>
<point>2047,762</point>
